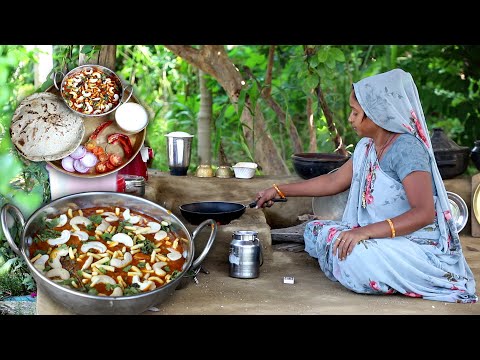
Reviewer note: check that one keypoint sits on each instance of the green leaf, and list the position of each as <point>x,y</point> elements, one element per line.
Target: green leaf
<point>330,62</point>
<point>337,54</point>
<point>312,81</point>
<point>313,61</point>
<point>87,49</point>
<point>106,236</point>
<point>241,101</point>
<point>322,55</point>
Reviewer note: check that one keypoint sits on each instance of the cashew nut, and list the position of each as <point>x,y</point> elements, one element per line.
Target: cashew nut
<point>58,272</point>
<point>103,226</point>
<point>102,279</point>
<point>157,267</point>
<point>131,219</point>
<point>62,220</point>
<point>82,235</point>
<point>127,259</point>
<point>55,256</point>
<point>97,245</point>
<point>144,286</point>
<point>65,236</point>
<point>40,263</point>
<point>117,292</point>
<point>173,254</point>
<point>110,216</point>
<point>123,238</point>
<point>160,235</point>
<point>89,109</point>
<point>154,227</point>
<point>80,220</point>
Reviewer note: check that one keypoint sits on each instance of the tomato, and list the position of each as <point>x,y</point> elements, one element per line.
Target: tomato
<point>115,160</point>
<point>90,145</point>
<point>97,150</point>
<point>101,167</point>
<point>109,166</point>
<point>103,157</point>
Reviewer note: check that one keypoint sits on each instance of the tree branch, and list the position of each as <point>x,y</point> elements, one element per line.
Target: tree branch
<point>268,77</point>
<point>296,142</point>
<point>213,60</point>
<point>186,52</point>
<point>337,139</point>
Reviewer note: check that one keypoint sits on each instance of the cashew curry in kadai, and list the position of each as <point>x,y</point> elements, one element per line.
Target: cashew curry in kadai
<point>108,251</point>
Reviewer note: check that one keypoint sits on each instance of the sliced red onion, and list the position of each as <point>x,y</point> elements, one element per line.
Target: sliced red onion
<point>80,167</point>
<point>89,160</point>
<point>79,152</point>
<point>67,164</point>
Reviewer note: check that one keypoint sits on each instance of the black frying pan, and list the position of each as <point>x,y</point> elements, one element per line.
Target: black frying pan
<point>220,211</point>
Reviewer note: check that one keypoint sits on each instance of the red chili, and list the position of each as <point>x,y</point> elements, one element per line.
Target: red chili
<point>100,128</point>
<point>124,141</point>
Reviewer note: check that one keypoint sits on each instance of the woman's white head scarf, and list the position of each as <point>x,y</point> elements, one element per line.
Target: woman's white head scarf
<point>391,101</point>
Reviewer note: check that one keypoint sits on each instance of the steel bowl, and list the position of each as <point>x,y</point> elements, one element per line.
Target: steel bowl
<point>103,69</point>
<point>458,209</point>
<point>83,303</point>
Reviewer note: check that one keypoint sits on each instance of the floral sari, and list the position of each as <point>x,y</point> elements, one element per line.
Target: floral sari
<point>428,263</point>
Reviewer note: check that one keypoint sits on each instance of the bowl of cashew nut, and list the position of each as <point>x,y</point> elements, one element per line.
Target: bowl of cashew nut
<point>92,90</point>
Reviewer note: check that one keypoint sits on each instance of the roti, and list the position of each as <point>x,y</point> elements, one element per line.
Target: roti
<point>43,128</point>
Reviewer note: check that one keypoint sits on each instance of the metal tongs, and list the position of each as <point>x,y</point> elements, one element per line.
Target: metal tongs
<point>254,203</point>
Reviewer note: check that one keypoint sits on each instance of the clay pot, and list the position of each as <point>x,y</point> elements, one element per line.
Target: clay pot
<point>309,165</point>
<point>452,159</point>
<point>475,154</point>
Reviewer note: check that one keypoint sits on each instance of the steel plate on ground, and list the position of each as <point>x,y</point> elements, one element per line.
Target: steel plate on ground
<point>91,123</point>
<point>459,210</point>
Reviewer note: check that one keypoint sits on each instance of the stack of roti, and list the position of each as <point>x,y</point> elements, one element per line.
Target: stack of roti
<point>44,128</point>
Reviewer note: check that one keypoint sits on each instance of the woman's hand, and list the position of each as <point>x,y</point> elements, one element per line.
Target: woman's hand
<point>264,197</point>
<point>347,240</point>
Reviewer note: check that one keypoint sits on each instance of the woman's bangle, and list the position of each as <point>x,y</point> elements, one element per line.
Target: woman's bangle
<point>282,195</point>
<point>392,228</point>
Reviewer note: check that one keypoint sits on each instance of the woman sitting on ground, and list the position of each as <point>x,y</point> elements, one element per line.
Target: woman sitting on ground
<point>397,234</point>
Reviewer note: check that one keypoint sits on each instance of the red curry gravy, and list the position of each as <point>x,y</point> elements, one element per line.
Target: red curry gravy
<point>149,247</point>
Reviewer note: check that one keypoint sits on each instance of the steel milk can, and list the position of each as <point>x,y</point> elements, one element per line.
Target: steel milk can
<point>245,254</point>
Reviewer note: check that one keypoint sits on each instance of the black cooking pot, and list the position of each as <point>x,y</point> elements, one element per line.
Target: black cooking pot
<point>309,165</point>
<point>220,211</point>
<point>452,160</point>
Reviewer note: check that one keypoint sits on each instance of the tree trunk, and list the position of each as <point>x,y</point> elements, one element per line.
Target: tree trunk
<point>105,57</point>
<point>312,147</point>
<point>213,60</point>
<point>204,121</point>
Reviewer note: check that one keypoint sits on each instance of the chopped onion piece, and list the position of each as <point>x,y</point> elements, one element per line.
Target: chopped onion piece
<point>80,167</point>
<point>79,152</point>
<point>89,160</point>
<point>67,164</point>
